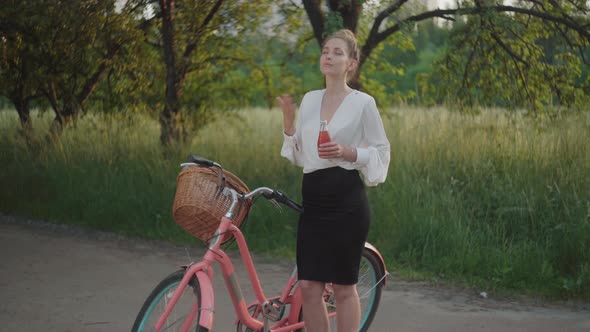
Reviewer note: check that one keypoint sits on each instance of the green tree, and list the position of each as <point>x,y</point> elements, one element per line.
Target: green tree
<point>201,41</point>
<point>511,31</point>
<point>61,50</point>
<point>16,68</point>
<point>83,41</point>
<point>516,60</point>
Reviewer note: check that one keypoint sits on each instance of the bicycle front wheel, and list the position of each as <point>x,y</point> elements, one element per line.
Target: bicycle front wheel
<point>187,305</point>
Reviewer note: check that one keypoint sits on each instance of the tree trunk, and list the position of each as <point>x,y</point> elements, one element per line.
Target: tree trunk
<point>354,82</point>
<point>20,98</point>
<point>349,11</point>
<point>22,108</point>
<point>73,103</point>
<point>171,130</point>
<point>316,16</point>
<point>56,128</point>
<point>63,117</point>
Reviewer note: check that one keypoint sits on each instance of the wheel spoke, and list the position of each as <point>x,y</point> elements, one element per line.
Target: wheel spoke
<point>158,300</point>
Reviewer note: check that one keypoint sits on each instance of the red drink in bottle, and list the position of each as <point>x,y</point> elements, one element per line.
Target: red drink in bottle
<point>324,136</point>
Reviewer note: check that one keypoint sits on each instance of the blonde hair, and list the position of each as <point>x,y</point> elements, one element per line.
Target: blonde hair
<point>350,40</point>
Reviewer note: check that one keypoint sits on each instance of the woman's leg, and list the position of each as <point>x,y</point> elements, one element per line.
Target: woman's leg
<point>348,308</point>
<point>315,314</point>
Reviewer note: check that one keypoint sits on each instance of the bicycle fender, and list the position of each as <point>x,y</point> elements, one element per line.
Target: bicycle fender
<point>374,250</point>
<point>207,301</point>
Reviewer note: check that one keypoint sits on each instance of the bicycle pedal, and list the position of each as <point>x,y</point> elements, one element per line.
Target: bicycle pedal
<point>273,310</point>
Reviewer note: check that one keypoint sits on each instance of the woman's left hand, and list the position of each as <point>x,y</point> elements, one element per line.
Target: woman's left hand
<point>331,150</point>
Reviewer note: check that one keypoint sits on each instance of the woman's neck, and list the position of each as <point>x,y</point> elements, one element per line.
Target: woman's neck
<point>336,86</point>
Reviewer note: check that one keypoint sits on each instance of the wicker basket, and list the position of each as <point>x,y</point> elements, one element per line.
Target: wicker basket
<point>199,205</point>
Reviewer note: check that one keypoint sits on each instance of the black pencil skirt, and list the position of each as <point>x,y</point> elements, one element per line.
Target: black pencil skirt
<point>333,227</point>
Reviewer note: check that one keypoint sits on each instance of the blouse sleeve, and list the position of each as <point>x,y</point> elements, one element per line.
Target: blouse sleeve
<point>292,144</point>
<point>374,154</point>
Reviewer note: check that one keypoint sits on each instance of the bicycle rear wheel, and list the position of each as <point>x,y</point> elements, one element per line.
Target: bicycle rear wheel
<point>154,306</point>
<point>368,288</point>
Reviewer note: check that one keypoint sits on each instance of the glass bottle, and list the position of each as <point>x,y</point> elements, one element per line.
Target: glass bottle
<point>324,136</point>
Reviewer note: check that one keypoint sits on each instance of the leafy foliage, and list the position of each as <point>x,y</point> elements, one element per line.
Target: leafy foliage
<point>512,61</point>
<point>108,55</point>
<point>201,43</point>
<point>66,47</point>
<point>530,54</point>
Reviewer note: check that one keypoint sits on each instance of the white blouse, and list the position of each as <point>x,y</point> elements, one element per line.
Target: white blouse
<point>355,123</point>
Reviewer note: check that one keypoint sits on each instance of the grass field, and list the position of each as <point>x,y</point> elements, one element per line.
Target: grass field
<point>496,200</point>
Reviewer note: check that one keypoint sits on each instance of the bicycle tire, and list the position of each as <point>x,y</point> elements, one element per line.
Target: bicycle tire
<point>369,288</point>
<point>155,305</point>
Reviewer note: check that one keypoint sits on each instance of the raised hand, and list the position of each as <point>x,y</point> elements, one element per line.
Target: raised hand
<point>288,106</point>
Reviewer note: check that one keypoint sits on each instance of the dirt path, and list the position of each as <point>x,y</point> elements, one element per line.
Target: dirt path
<point>60,279</point>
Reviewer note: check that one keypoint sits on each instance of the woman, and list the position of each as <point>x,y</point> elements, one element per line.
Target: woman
<point>335,223</point>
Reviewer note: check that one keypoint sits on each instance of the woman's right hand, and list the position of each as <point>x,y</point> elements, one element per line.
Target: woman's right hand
<point>288,107</point>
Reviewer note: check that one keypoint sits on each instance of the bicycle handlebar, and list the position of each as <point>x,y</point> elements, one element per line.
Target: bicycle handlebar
<point>202,161</point>
<point>280,197</point>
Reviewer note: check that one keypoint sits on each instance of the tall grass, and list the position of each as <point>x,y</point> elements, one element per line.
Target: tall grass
<point>496,199</point>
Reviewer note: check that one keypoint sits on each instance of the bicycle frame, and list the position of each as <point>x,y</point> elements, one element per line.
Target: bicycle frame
<point>204,273</point>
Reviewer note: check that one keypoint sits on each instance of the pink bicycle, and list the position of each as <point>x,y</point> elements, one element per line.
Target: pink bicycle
<point>185,301</point>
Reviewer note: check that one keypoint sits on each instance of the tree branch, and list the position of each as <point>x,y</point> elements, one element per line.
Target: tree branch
<point>507,48</point>
<point>190,47</point>
<point>466,69</point>
<point>382,16</point>
<point>349,11</point>
<point>377,37</point>
<point>313,8</point>
<point>91,83</point>
<point>572,45</point>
